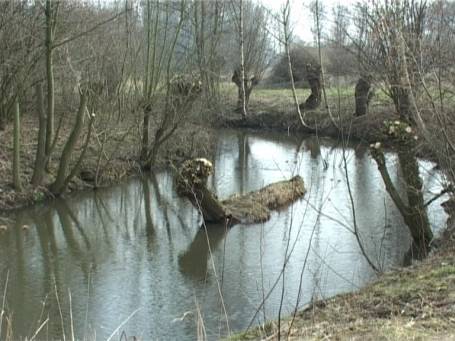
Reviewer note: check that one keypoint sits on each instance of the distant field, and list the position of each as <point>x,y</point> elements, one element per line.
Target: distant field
<point>280,99</point>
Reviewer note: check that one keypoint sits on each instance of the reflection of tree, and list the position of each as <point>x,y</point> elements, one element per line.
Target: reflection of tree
<point>149,228</point>
<point>100,207</point>
<point>76,222</point>
<point>360,152</point>
<point>193,262</point>
<point>244,152</point>
<point>65,214</point>
<point>46,235</point>
<point>313,145</point>
<point>20,259</point>
<point>162,204</point>
<point>51,273</point>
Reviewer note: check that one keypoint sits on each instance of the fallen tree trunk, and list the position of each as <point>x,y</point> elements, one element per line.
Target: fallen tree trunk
<point>249,208</point>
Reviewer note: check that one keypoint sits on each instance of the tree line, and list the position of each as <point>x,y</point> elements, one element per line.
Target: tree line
<point>82,66</point>
<point>85,69</point>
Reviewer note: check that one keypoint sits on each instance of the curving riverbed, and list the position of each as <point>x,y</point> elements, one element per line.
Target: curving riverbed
<point>133,258</point>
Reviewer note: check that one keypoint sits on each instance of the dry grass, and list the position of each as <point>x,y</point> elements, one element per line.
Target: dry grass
<point>254,207</point>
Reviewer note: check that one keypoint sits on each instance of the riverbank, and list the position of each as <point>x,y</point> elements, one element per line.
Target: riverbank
<point>273,110</point>
<point>411,303</point>
<point>112,161</point>
<point>112,154</point>
<point>111,158</point>
<point>346,127</point>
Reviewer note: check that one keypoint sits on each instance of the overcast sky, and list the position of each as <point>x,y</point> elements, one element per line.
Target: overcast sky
<point>301,19</point>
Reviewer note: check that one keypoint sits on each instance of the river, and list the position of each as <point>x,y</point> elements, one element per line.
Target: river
<point>133,258</point>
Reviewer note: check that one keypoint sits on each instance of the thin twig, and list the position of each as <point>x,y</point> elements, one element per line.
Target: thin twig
<point>122,324</point>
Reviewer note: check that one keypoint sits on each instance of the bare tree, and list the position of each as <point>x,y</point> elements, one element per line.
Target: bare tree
<point>286,11</point>
<point>241,72</point>
<point>17,148</point>
<point>40,159</point>
<point>168,104</point>
<point>319,82</point>
<point>19,56</point>
<point>63,178</point>
<point>51,12</point>
<point>389,42</point>
<point>252,38</point>
<point>208,24</point>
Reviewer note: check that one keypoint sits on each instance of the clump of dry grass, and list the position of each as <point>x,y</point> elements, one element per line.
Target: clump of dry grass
<point>254,207</point>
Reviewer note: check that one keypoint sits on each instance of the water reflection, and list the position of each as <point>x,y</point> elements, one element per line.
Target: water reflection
<point>139,246</point>
<point>313,145</point>
<point>193,262</point>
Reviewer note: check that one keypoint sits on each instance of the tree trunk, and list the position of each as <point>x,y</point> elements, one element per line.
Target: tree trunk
<point>243,93</point>
<point>417,216</point>
<point>287,36</point>
<point>40,160</point>
<point>242,62</point>
<point>413,212</point>
<point>314,100</point>
<point>249,85</point>
<point>206,202</point>
<point>49,75</point>
<point>16,155</point>
<point>59,184</point>
<point>145,133</point>
<point>402,101</point>
<point>362,96</point>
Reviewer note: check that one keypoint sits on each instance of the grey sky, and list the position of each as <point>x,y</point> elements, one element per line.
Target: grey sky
<point>301,19</point>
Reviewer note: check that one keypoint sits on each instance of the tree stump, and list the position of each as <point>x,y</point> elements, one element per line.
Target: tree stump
<point>313,74</point>
<point>363,95</point>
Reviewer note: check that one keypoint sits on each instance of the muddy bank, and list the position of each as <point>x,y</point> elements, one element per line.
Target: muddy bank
<point>106,163</point>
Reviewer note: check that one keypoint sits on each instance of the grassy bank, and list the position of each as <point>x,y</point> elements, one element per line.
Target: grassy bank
<point>273,109</point>
<point>413,303</point>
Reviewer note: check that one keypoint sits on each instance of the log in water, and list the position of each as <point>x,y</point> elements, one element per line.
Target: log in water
<point>252,207</point>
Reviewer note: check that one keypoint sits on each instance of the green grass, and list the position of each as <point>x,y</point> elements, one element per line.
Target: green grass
<point>340,99</point>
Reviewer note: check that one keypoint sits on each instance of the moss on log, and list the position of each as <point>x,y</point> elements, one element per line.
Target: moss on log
<point>249,208</point>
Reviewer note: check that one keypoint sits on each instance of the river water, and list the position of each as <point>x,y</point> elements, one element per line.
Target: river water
<point>133,258</point>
